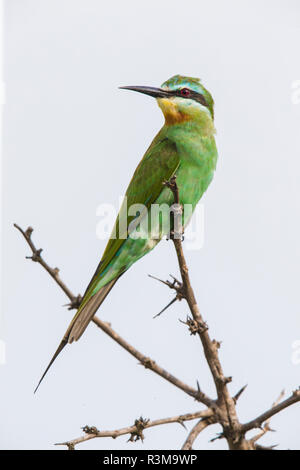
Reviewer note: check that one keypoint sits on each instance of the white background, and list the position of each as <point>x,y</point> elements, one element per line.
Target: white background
<point>72,141</point>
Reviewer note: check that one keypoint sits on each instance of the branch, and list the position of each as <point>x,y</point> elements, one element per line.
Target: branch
<point>222,410</point>
<point>135,431</point>
<point>196,430</point>
<point>266,427</point>
<point>104,326</point>
<point>257,422</point>
<point>152,365</point>
<point>210,347</point>
<point>54,272</point>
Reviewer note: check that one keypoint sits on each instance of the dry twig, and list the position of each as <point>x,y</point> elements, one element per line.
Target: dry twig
<point>135,431</point>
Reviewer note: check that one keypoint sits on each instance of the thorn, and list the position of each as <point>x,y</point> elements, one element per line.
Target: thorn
<point>239,393</point>
<point>182,423</point>
<point>199,392</point>
<point>175,285</point>
<point>175,280</point>
<point>166,307</point>
<point>220,435</point>
<point>172,285</point>
<point>156,278</point>
<point>166,283</point>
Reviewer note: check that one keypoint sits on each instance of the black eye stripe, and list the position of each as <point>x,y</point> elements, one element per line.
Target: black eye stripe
<point>192,96</point>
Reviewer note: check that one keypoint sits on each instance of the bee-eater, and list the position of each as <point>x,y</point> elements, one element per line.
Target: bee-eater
<point>185,146</point>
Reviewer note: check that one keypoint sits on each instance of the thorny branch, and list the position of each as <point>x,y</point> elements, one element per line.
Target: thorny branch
<point>54,272</point>
<point>266,427</point>
<point>221,410</point>
<point>276,408</point>
<point>147,362</point>
<point>136,430</point>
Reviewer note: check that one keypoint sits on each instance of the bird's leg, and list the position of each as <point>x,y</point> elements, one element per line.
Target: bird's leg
<point>177,232</point>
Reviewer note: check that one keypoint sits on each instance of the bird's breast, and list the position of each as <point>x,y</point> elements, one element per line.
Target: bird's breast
<point>198,158</point>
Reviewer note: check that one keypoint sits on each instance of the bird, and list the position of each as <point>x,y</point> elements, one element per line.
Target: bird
<point>185,146</point>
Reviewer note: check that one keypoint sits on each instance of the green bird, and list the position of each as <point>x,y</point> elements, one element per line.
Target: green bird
<point>185,146</point>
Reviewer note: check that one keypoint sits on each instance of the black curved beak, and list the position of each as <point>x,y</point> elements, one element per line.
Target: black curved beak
<point>148,90</point>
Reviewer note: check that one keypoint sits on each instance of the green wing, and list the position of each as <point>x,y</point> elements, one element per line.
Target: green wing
<point>159,163</point>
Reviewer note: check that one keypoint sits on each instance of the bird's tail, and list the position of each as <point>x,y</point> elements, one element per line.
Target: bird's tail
<point>80,321</point>
<point>88,311</point>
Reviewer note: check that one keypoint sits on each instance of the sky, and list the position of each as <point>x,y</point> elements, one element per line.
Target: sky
<point>71,141</point>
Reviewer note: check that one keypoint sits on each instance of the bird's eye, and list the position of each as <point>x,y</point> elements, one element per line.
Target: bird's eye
<point>185,92</point>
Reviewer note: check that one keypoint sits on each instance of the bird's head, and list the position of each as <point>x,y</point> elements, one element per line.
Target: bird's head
<point>181,99</point>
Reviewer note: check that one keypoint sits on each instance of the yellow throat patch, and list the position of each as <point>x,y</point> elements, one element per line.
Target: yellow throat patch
<point>171,112</point>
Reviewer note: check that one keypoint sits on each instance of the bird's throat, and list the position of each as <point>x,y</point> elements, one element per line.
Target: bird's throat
<point>171,112</point>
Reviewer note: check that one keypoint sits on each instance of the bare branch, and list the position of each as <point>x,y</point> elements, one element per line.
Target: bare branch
<point>257,422</point>
<point>266,427</point>
<point>152,365</point>
<point>104,326</point>
<point>210,347</point>
<point>54,272</point>
<point>135,431</point>
<point>222,410</point>
<point>196,430</point>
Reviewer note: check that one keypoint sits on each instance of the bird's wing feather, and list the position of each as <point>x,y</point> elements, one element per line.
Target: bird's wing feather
<point>159,163</point>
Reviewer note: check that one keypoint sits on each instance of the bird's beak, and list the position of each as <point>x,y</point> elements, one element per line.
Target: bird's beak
<point>148,90</point>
